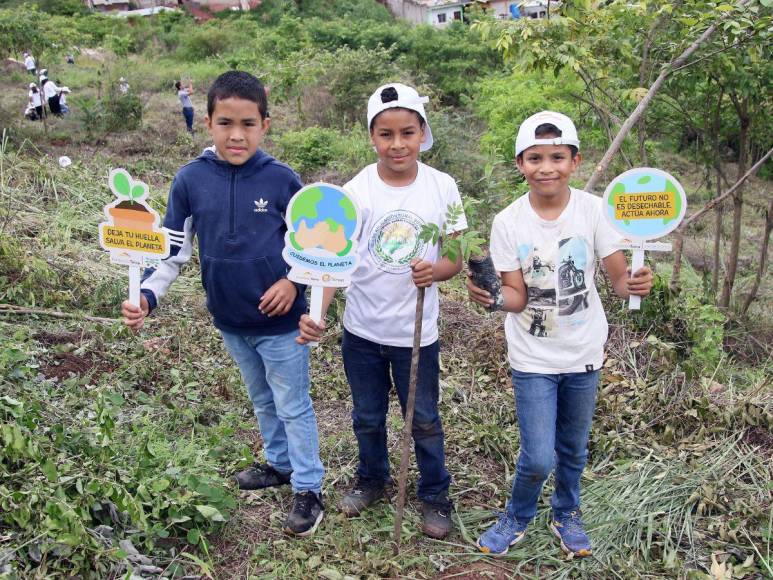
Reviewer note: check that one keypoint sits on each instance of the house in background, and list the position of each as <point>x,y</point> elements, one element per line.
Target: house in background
<point>434,12</point>
<point>196,7</point>
<point>509,9</point>
<point>108,5</point>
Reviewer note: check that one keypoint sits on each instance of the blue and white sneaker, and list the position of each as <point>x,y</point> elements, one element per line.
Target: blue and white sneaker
<point>506,532</point>
<point>571,531</point>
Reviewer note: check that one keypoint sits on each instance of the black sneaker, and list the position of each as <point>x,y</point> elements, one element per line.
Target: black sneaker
<point>362,495</point>
<point>436,518</point>
<point>261,475</point>
<point>306,514</point>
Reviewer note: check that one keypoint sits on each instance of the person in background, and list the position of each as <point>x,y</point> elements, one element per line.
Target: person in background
<point>184,94</point>
<point>30,64</point>
<point>51,94</point>
<point>63,92</point>
<point>70,59</point>
<point>35,101</point>
<point>123,86</point>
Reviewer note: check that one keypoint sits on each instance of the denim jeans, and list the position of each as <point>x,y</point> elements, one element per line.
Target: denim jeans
<point>275,370</point>
<point>554,419</point>
<point>371,369</point>
<point>188,114</point>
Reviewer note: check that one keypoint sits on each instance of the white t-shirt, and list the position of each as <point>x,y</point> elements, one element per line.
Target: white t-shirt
<point>50,89</point>
<point>563,327</point>
<point>29,62</point>
<point>381,300</point>
<point>185,98</point>
<point>35,99</point>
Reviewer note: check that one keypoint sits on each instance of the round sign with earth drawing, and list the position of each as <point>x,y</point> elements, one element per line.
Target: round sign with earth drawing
<point>322,227</point>
<point>644,203</point>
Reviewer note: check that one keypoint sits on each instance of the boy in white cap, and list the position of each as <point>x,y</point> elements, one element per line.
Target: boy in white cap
<point>397,196</point>
<point>545,245</point>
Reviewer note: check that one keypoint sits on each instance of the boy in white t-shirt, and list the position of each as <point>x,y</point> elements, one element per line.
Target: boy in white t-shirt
<point>396,196</point>
<point>545,245</point>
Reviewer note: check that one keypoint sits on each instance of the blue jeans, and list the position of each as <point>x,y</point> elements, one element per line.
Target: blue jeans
<point>188,114</point>
<point>371,368</point>
<point>275,370</point>
<point>554,419</point>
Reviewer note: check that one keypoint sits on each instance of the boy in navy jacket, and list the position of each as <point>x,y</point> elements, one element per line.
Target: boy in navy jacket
<point>233,198</point>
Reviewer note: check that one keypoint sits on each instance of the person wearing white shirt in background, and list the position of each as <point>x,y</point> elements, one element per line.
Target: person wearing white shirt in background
<point>123,86</point>
<point>35,101</point>
<point>30,64</point>
<point>51,94</point>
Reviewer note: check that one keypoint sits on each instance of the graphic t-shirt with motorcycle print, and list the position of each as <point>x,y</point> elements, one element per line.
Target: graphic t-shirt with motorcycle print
<point>563,327</point>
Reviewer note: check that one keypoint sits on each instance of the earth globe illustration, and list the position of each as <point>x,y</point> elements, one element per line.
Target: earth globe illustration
<point>323,217</point>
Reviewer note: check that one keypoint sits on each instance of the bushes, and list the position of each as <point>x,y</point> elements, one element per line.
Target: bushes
<point>205,41</point>
<point>311,150</point>
<point>117,112</point>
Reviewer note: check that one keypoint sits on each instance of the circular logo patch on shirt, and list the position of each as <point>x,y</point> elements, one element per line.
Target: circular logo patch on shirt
<point>395,241</point>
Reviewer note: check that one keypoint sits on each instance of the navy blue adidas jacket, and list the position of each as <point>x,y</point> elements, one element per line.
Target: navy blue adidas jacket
<point>237,213</point>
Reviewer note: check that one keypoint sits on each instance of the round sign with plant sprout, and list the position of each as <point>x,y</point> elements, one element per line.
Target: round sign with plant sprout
<point>644,204</point>
<point>131,233</point>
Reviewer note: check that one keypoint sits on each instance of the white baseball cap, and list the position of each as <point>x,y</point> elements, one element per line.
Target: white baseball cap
<point>526,137</point>
<point>32,85</point>
<point>407,98</point>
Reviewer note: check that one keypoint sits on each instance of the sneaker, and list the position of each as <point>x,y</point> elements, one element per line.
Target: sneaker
<point>306,514</point>
<point>362,495</point>
<point>261,475</point>
<point>506,532</point>
<point>571,531</point>
<point>436,518</point>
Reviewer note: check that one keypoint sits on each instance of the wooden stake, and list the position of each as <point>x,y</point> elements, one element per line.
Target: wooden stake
<point>410,404</point>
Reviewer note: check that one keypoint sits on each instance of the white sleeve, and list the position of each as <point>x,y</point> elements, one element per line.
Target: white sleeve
<point>503,247</point>
<point>605,239</point>
<point>160,279</point>
<point>452,196</point>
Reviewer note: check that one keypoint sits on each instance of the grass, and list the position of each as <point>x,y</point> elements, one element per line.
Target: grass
<point>677,485</point>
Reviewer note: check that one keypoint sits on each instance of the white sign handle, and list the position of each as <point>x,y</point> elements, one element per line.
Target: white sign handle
<point>315,310</point>
<point>637,262</point>
<point>134,285</point>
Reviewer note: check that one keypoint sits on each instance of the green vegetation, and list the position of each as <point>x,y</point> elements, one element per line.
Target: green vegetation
<point>116,449</point>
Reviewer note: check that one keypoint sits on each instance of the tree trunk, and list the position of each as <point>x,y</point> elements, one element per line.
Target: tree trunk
<point>679,232</point>
<point>602,166</point>
<point>742,110</point>
<point>718,223</point>
<point>719,211</point>
<point>762,262</point>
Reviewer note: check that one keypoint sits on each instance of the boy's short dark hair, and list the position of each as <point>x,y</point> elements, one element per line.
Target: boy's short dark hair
<point>548,130</point>
<point>239,84</point>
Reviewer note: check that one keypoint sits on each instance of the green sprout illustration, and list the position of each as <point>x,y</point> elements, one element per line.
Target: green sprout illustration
<point>122,184</point>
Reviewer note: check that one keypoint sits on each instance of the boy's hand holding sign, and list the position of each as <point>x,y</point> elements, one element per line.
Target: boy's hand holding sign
<point>133,237</point>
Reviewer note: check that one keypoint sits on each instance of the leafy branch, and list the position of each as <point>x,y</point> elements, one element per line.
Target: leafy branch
<point>465,244</point>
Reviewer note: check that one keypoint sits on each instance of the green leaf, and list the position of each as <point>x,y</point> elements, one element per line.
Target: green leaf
<point>49,470</point>
<point>160,485</point>
<point>211,513</point>
<point>194,536</point>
